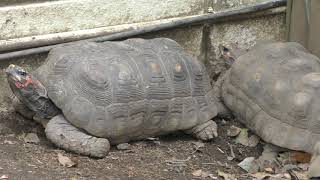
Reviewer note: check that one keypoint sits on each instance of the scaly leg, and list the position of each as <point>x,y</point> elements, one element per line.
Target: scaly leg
<point>68,137</point>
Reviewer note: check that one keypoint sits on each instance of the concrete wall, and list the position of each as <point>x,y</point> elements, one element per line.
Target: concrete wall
<point>71,15</point>
<point>199,41</point>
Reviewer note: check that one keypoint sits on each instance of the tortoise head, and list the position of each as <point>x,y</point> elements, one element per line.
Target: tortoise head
<point>18,78</point>
<point>30,92</point>
<point>227,55</point>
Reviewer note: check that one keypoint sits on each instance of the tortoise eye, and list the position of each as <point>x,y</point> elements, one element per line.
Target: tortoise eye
<point>22,73</point>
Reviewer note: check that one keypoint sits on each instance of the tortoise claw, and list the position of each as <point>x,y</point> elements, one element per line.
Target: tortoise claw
<point>206,131</point>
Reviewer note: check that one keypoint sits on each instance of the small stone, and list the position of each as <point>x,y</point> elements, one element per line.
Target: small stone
<point>233,131</point>
<point>253,141</point>
<point>123,146</point>
<point>31,138</point>
<point>246,164</point>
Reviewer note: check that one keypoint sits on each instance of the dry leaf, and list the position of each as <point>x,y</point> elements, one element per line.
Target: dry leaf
<point>226,176</point>
<point>300,157</point>
<point>269,170</point>
<point>31,138</point>
<point>243,138</point>
<point>65,161</point>
<point>263,175</point>
<point>203,174</point>
<point>247,164</point>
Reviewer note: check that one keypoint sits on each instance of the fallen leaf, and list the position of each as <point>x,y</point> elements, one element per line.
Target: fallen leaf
<point>201,173</point>
<point>268,170</point>
<point>65,161</point>
<point>260,175</point>
<point>300,157</point>
<point>31,138</point>
<point>242,138</point>
<point>233,131</point>
<point>226,176</point>
<point>263,176</point>
<point>246,164</point>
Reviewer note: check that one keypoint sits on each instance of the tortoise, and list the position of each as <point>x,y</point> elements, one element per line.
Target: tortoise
<point>273,89</point>
<point>90,95</point>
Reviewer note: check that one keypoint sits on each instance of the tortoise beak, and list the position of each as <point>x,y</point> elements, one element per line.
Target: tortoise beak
<point>9,68</point>
<point>10,72</point>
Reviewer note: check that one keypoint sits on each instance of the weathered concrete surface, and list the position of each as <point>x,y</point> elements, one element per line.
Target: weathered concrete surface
<point>189,38</point>
<point>71,15</point>
<point>241,35</point>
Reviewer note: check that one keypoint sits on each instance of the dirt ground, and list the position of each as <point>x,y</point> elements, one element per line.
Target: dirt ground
<point>144,160</point>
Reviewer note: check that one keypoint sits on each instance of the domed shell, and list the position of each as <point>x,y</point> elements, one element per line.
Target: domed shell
<point>130,89</point>
<point>274,90</point>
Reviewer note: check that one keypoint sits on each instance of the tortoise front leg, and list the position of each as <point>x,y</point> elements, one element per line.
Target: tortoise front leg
<point>68,137</point>
<point>205,131</point>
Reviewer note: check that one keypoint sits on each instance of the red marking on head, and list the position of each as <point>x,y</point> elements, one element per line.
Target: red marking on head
<point>18,85</point>
<point>26,84</point>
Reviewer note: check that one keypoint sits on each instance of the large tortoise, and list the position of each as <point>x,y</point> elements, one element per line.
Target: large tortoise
<point>274,90</point>
<point>95,93</point>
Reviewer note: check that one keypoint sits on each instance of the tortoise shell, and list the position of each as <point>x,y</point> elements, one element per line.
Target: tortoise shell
<point>274,90</point>
<point>128,90</point>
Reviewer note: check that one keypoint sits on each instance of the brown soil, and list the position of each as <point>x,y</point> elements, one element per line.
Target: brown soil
<point>144,160</point>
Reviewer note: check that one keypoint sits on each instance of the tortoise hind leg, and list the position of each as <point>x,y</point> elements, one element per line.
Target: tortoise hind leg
<point>68,137</point>
<point>205,131</point>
